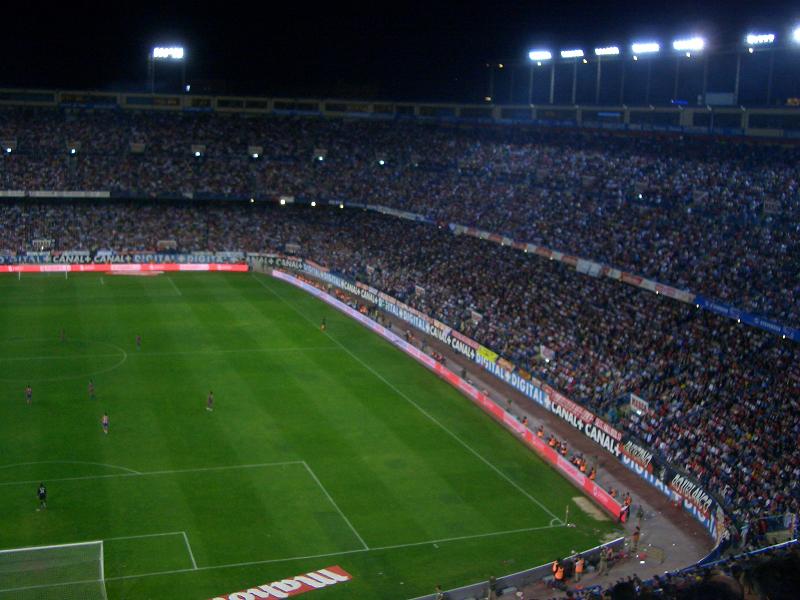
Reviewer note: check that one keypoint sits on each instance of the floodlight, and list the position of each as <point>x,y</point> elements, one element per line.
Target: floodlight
<point>283,201</point>
<point>252,200</point>
<point>197,153</point>
<point>540,55</point>
<point>255,154</point>
<point>689,44</point>
<point>796,35</point>
<point>313,203</point>
<point>381,162</point>
<point>572,53</point>
<point>341,205</point>
<point>759,39</point>
<point>73,151</point>
<point>320,158</point>
<point>607,51</point>
<point>645,47</point>
<point>169,53</point>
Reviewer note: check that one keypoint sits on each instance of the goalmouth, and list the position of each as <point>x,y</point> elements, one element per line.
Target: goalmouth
<point>61,572</point>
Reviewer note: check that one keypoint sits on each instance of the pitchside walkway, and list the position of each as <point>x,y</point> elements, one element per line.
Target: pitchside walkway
<point>670,538</point>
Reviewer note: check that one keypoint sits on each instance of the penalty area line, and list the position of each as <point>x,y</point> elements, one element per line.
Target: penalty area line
<point>414,404</point>
<point>336,506</point>
<point>189,548</point>
<point>174,287</point>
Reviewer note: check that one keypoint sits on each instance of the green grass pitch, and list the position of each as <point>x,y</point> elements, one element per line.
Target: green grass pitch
<point>322,449</point>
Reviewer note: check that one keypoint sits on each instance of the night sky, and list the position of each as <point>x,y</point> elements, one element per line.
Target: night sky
<point>400,50</point>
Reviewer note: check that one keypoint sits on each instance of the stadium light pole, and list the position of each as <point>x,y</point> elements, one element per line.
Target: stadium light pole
<point>770,77</point>
<point>538,57</point>
<point>530,84</point>
<point>687,46</point>
<point>600,53</point>
<point>646,48</point>
<point>752,41</point>
<point>574,54</point>
<point>166,53</point>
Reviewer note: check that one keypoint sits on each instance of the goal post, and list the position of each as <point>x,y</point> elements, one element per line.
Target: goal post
<point>60,572</point>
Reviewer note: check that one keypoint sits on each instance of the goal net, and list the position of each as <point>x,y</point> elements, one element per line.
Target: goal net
<point>65,572</point>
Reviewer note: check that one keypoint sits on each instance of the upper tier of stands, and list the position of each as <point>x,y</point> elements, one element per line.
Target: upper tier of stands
<point>720,218</point>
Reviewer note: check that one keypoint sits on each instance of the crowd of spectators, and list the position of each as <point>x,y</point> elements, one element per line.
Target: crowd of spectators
<point>723,396</point>
<point>720,217</point>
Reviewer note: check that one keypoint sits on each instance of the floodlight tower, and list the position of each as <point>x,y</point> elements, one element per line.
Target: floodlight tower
<point>600,53</point>
<point>166,53</point>
<point>574,55</point>
<point>756,41</point>
<point>646,48</point>
<point>686,47</point>
<point>538,57</point>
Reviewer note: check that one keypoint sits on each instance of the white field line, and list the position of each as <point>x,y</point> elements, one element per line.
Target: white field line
<point>69,462</point>
<point>146,535</point>
<point>189,548</point>
<point>173,353</point>
<point>50,547</point>
<point>104,297</point>
<point>342,553</point>
<point>296,558</point>
<point>174,287</point>
<point>414,404</point>
<point>336,506</point>
<point>55,357</point>
<point>154,473</point>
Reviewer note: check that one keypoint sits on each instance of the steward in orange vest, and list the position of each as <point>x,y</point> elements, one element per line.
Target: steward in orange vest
<point>579,564</point>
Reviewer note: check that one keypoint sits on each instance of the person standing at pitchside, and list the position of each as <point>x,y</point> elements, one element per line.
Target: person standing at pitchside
<point>41,493</point>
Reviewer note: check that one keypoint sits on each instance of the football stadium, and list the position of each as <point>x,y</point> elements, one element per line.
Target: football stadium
<point>543,345</point>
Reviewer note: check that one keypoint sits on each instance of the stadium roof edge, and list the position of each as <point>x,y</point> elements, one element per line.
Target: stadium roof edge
<point>774,123</point>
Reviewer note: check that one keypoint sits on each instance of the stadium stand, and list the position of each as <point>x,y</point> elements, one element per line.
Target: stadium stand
<point>720,218</point>
<point>723,397</point>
